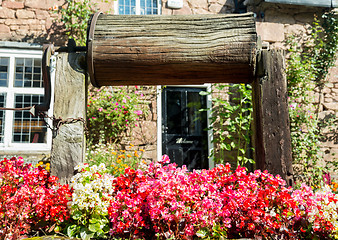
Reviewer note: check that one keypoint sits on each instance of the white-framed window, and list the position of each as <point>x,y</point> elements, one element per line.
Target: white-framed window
<point>138,7</point>
<point>21,85</point>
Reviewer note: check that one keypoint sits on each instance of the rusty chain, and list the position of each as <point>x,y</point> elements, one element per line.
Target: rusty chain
<point>57,122</point>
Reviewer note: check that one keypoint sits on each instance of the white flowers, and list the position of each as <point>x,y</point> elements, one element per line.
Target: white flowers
<point>325,209</point>
<point>91,189</point>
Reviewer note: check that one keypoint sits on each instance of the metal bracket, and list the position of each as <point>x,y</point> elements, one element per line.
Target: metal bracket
<point>90,38</point>
<point>48,51</point>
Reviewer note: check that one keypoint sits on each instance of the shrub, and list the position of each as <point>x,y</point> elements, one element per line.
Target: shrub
<point>111,113</point>
<point>116,161</point>
<point>169,202</point>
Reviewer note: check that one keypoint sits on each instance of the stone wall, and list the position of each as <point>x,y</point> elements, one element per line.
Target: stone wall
<point>29,21</point>
<point>34,21</point>
<point>144,133</point>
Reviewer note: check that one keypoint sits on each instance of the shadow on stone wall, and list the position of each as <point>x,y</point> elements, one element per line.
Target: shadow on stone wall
<point>55,35</point>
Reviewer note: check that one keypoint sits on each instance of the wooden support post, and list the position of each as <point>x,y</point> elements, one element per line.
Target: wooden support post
<point>68,147</point>
<point>272,137</point>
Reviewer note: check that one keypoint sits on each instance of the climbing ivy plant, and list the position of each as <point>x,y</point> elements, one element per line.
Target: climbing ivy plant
<point>75,15</point>
<point>231,121</point>
<point>307,69</point>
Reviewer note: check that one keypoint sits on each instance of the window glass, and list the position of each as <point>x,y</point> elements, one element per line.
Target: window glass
<point>175,115</point>
<point>2,116</point>
<point>127,7</point>
<point>148,7</point>
<point>132,7</point>
<point>28,73</point>
<point>26,128</point>
<point>155,7</point>
<point>4,64</point>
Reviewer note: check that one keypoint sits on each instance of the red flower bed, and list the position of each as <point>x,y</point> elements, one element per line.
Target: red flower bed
<point>163,202</point>
<point>30,199</point>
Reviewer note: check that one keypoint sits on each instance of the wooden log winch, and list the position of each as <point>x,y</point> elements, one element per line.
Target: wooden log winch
<point>171,50</point>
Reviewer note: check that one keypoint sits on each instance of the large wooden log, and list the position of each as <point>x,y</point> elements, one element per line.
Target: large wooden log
<point>167,50</point>
<point>272,138</point>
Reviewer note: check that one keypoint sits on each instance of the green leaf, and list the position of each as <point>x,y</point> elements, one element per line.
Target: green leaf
<point>201,233</point>
<point>85,235</point>
<point>203,93</point>
<point>77,215</point>
<point>94,227</point>
<point>72,230</point>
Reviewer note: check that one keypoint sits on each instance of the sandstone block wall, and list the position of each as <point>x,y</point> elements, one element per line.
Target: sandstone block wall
<point>30,21</point>
<point>35,21</point>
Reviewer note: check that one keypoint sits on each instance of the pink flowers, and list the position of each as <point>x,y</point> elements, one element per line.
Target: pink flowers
<point>166,201</point>
<point>138,112</point>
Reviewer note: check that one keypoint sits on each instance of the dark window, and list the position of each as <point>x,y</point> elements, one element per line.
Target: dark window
<point>184,129</point>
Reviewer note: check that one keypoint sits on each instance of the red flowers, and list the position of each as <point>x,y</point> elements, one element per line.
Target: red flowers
<point>168,202</point>
<point>29,197</point>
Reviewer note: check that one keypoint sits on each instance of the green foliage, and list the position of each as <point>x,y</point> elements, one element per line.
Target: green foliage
<point>75,15</point>
<point>325,38</point>
<point>231,120</point>
<point>308,66</point>
<point>116,161</point>
<point>111,112</point>
<point>218,232</point>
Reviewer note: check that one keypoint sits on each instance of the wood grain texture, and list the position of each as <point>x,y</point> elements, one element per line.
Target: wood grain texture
<point>164,50</point>
<point>272,138</point>
<point>69,102</point>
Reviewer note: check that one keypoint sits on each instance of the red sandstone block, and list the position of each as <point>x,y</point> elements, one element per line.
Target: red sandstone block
<point>4,29</point>
<point>7,13</point>
<point>13,5</point>
<point>43,4</point>
<point>25,14</point>
<point>5,32</point>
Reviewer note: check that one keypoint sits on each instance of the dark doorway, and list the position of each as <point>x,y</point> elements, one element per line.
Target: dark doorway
<point>184,127</point>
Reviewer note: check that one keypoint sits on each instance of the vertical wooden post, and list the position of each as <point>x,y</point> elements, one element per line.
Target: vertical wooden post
<point>272,137</point>
<point>68,147</point>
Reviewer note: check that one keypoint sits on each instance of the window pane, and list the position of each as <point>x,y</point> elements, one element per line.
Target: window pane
<point>2,117</point>
<point>174,112</point>
<point>127,10</point>
<point>27,70</point>
<point>121,10</point>
<point>127,7</point>
<point>26,128</point>
<point>4,64</point>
